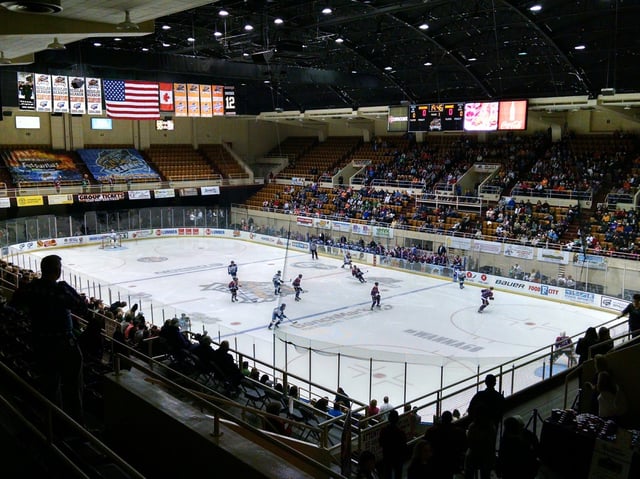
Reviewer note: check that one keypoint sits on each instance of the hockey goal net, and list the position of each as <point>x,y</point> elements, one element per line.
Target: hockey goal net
<point>111,241</point>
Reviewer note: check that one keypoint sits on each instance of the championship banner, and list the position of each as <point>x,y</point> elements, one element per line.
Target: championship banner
<point>44,98</point>
<point>77,97</point>
<point>193,99</point>
<point>60,94</point>
<point>217,100</point>
<point>206,108</point>
<point>166,96</point>
<point>26,99</point>
<point>60,199</point>
<point>94,96</point>
<point>229,100</point>
<point>30,200</point>
<point>180,98</point>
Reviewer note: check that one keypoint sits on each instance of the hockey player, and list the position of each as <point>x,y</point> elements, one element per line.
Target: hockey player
<point>233,288</point>
<point>357,272</point>
<point>486,295</point>
<point>113,238</point>
<point>277,282</point>
<point>346,261</point>
<point>461,277</point>
<point>375,296</point>
<point>297,287</point>
<point>232,269</point>
<point>313,247</point>
<point>277,316</point>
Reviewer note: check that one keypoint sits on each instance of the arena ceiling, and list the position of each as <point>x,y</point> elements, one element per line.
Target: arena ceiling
<point>362,53</point>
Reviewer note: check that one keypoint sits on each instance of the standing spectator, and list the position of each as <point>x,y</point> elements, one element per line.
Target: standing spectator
<point>420,466</point>
<point>449,443</point>
<point>367,466</point>
<point>481,437</point>
<point>490,400</point>
<point>48,304</point>
<point>633,311</point>
<point>605,343</point>
<point>612,402</point>
<point>393,442</point>
<point>583,347</point>
<point>518,455</point>
<point>385,407</point>
<point>313,247</point>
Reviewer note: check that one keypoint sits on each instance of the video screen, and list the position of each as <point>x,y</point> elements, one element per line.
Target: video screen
<point>397,119</point>
<point>481,116</point>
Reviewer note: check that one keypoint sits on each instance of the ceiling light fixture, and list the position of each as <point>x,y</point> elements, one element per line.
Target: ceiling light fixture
<point>3,60</point>
<point>223,13</point>
<point>97,44</point>
<point>166,44</point>
<point>145,49</point>
<point>217,34</point>
<point>117,39</point>
<point>339,40</point>
<point>278,21</point>
<point>388,68</point>
<point>166,27</point>
<point>127,25</point>
<point>327,10</point>
<point>535,8</point>
<point>424,26</point>
<point>191,39</point>
<point>56,45</point>
<point>33,6</point>
<point>579,47</point>
<point>472,59</point>
<point>427,64</point>
<point>522,53</point>
<point>627,107</point>
<point>248,27</point>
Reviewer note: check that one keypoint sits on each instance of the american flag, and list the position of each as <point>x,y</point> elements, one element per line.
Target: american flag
<point>131,100</point>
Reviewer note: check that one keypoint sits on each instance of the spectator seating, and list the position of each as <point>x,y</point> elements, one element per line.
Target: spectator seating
<point>181,162</point>
<point>223,161</point>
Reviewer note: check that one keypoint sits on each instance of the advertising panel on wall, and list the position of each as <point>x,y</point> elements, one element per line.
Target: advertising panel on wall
<point>487,247</point>
<point>459,243</point>
<point>382,232</point>
<point>60,199</point>
<point>5,203</point>
<point>209,190</point>
<point>590,261</point>
<point>518,251</point>
<point>32,200</point>
<point>553,256</point>
<point>341,226</point>
<point>304,221</point>
<point>164,193</point>
<point>100,197</point>
<point>322,223</point>
<point>359,229</point>
<point>140,195</point>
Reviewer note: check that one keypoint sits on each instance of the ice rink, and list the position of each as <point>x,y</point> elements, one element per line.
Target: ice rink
<point>424,323</point>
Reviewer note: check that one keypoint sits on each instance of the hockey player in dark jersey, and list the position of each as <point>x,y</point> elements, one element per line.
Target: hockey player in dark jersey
<point>375,296</point>
<point>357,272</point>
<point>233,289</point>
<point>297,287</point>
<point>277,316</point>
<point>486,295</point>
<point>277,282</point>
<point>232,269</point>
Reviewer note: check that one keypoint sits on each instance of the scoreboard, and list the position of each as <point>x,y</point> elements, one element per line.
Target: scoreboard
<point>436,117</point>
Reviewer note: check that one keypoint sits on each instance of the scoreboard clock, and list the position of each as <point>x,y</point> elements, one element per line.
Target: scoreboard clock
<point>436,117</point>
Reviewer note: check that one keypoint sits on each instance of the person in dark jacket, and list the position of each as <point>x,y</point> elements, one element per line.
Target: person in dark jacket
<point>589,339</point>
<point>393,441</point>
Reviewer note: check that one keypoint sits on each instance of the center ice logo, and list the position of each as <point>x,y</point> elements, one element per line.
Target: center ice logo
<point>250,291</point>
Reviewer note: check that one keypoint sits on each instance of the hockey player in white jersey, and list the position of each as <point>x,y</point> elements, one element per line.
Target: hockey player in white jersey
<point>277,282</point>
<point>277,316</point>
<point>232,269</point>
<point>346,261</point>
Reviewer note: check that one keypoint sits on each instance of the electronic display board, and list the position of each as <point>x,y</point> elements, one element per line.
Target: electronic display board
<point>436,117</point>
<point>481,116</point>
<point>397,119</point>
<point>512,115</point>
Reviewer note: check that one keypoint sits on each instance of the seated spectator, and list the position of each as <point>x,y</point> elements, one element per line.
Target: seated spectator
<point>589,339</point>
<point>604,344</point>
<point>343,398</point>
<point>612,402</point>
<point>227,366</point>
<point>372,409</point>
<point>273,423</point>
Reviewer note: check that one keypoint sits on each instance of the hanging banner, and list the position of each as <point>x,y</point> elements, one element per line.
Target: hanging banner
<point>44,99</point>
<point>60,94</point>
<point>218,100</point>
<point>206,108</point>
<point>180,98</point>
<point>193,99</point>
<point>26,99</point>
<point>77,97</point>
<point>94,96</point>
<point>166,96</point>
<point>229,100</point>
